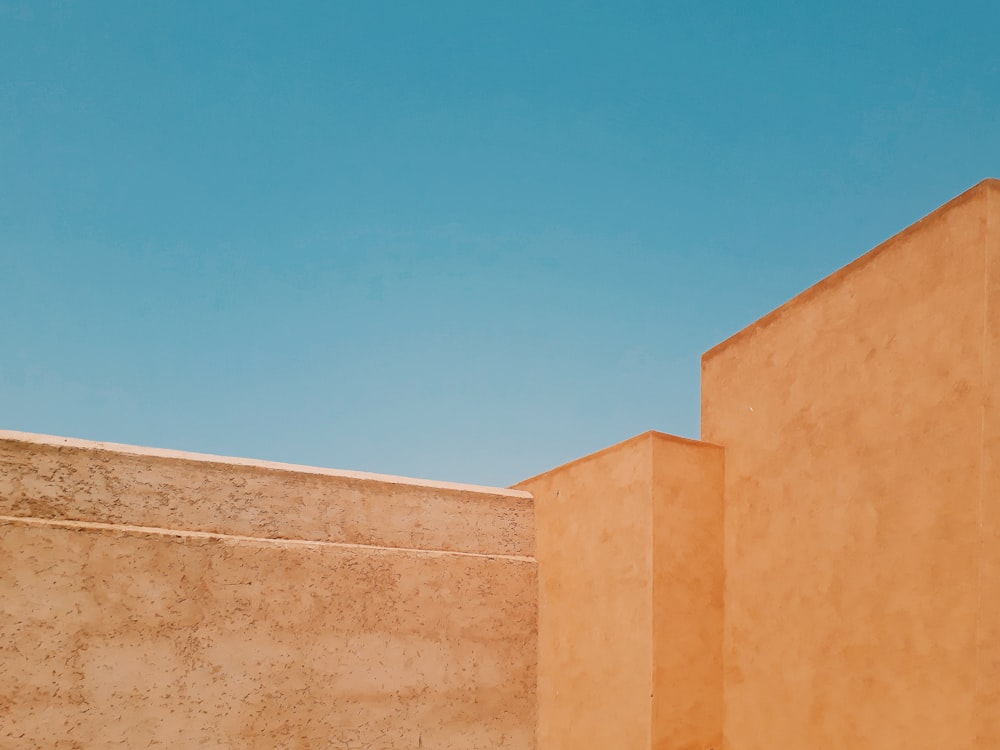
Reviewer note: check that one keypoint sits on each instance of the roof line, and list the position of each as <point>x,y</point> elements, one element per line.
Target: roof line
<point>647,435</point>
<point>850,268</point>
<point>135,450</point>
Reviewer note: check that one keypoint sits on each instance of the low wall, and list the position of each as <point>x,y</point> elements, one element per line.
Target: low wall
<point>62,478</point>
<point>153,598</point>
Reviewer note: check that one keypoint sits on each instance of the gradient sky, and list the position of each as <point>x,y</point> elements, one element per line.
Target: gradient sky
<point>461,241</point>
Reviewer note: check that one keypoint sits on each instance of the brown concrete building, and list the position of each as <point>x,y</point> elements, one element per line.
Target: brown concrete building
<point>822,572</point>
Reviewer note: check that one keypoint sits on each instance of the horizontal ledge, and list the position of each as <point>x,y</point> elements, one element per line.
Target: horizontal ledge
<point>152,530</point>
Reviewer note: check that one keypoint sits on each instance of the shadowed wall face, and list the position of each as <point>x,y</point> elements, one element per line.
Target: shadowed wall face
<point>630,601</point>
<point>687,503</point>
<point>853,420</point>
<point>125,636</point>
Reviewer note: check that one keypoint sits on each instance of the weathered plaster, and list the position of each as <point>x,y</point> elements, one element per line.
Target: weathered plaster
<point>57,478</point>
<point>115,635</point>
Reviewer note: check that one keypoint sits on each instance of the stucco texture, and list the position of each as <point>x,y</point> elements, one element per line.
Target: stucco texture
<point>60,478</point>
<point>630,598</point>
<point>861,520</point>
<point>117,635</point>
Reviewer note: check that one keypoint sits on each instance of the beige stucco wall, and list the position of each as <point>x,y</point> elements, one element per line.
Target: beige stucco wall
<point>630,599</point>
<point>50,477</point>
<point>117,634</point>
<point>861,436</point>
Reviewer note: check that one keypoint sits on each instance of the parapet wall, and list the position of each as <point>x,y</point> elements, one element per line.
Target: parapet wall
<point>60,478</point>
<point>159,598</point>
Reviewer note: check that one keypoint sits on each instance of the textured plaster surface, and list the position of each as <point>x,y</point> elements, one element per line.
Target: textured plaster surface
<point>57,478</point>
<point>861,501</point>
<point>126,636</point>
<point>630,573</point>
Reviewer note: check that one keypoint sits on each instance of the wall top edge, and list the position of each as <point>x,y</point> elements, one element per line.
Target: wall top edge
<point>166,453</point>
<point>980,189</point>
<point>649,435</point>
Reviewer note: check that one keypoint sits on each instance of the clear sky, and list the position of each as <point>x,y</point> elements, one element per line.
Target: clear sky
<point>463,241</point>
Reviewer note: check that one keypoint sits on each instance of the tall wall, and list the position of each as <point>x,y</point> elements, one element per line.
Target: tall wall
<point>159,598</point>
<point>630,598</point>
<point>861,430</point>
<point>988,626</point>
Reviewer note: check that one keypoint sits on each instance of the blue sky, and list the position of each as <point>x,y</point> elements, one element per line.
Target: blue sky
<point>462,241</point>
